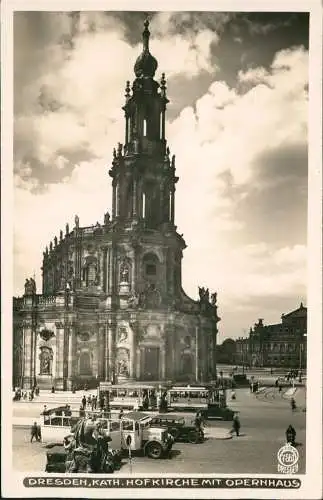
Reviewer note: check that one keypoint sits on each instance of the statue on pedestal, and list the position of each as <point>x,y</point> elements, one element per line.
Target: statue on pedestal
<point>30,286</point>
<point>77,221</point>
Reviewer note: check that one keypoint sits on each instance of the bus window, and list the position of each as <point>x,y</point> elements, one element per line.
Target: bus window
<point>114,393</point>
<point>122,393</point>
<point>114,425</point>
<point>127,425</point>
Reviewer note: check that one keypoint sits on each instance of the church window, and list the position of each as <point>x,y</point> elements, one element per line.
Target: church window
<point>143,205</point>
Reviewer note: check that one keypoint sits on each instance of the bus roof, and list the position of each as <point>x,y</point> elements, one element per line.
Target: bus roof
<point>126,386</point>
<point>187,388</point>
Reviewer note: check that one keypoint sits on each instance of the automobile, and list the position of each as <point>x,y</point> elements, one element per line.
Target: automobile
<point>218,412</point>
<point>178,427</point>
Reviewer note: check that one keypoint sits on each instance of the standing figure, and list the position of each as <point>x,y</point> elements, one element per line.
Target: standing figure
<point>236,424</point>
<point>290,435</point>
<point>34,432</point>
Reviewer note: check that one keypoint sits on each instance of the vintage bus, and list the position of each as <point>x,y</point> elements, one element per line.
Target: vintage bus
<point>128,396</point>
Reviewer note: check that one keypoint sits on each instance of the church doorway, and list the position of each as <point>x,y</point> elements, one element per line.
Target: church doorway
<point>151,363</point>
<point>85,364</point>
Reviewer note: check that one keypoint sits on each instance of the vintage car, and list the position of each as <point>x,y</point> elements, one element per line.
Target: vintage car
<point>178,427</point>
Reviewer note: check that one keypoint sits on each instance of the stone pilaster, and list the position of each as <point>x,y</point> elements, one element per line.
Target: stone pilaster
<point>59,355</point>
<point>71,356</point>
<point>27,355</point>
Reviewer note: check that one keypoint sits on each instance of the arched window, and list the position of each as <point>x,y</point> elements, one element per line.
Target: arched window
<point>143,205</point>
<point>85,364</point>
<point>145,128</point>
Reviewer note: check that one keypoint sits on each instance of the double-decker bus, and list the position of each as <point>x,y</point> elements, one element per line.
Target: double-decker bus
<point>128,396</point>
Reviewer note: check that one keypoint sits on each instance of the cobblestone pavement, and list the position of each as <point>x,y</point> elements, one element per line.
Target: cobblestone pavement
<point>255,451</point>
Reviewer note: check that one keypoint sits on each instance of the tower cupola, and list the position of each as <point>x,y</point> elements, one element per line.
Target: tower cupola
<point>146,64</point>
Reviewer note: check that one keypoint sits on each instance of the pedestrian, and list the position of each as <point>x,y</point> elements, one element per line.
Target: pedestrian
<point>121,414</point>
<point>293,404</point>
<point>84,402</point>
<point>34,432</point>
<point>290,435</point>
<point>236,424</point>
<point>53,389</point>
<point>95,402</point>
<point>38,433</point>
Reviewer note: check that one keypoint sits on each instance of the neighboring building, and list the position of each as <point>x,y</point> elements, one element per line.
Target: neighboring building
<point>112,305</point>
<point>241,354</point>
<point>282,344</point>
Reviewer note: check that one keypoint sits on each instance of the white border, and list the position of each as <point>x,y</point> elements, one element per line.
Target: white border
<point>312,481</point>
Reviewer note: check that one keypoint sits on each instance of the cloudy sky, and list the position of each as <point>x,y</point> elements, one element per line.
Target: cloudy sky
<point>237,122</point>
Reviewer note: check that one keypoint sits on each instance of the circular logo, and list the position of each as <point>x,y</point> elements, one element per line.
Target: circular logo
<point>287,455</point>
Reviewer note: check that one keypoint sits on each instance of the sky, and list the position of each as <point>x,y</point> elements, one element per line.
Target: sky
<point>236,121</point>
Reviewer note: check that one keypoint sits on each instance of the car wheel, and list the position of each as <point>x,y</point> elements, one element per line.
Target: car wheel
<point>154,450</point>
<point>193,437</point>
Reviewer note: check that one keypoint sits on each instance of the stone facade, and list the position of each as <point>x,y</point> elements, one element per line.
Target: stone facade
<point>112,305</point>
<point>282,344</point>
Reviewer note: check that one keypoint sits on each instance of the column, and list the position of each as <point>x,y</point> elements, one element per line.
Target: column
<point>137,365</point>
<point>27,354</point>
<point>111,350</point>
<point>114,198</point>
<point>133,350</point>
<point>71,356</point>
<point>59,355</point>
<point>163,361</point>
<point>172,211</point>
<point>196,353</point>
<point>134,199</point>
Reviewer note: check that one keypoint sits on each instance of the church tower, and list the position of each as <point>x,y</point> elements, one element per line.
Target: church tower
<point>143,180</point>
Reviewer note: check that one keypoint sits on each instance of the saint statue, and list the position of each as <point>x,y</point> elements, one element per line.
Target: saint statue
<point>77,221</point>
<point>214,298</point>
<point>45,362</point>
<point>106,218</point>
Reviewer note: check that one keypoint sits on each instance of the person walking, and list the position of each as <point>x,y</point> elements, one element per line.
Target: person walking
<point>290,435</point>
<point>34,432</point>
<point>293,404</point>
<point>236,424</point>
<point>84,402</point>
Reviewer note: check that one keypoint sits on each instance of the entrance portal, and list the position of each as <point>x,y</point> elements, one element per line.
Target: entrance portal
<point>151,363</point>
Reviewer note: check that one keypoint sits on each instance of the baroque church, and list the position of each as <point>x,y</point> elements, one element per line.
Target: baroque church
<point>112,305</point>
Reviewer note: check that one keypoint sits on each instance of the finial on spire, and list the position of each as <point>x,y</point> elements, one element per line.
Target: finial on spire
<point>146,35</point>
<point>127,95</point>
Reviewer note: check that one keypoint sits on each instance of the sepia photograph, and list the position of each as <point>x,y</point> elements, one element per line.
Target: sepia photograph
<point>165,202</point>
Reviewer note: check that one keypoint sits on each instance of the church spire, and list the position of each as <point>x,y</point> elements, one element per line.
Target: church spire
<point>145,36</point>
<point>146,64</point>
